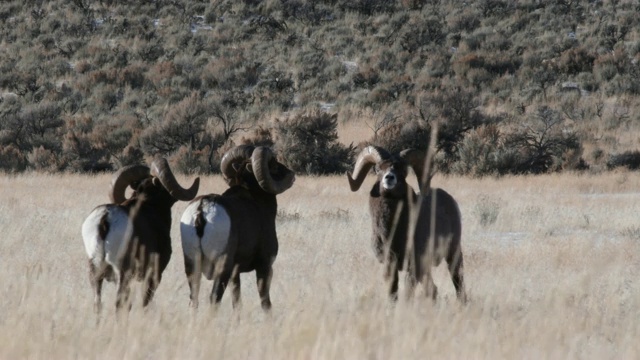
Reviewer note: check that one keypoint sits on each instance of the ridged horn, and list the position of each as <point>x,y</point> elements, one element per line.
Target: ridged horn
<point>160,169</point>
<point>123,178</point>
<point>261,158</point>
<point>237,154</point>
<point>415,159</point>
<point>370,156</point>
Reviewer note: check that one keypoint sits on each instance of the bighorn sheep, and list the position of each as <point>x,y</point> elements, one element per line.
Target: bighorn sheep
<point>391,228</point>
<point>131,237</point>
<point>225,235</point>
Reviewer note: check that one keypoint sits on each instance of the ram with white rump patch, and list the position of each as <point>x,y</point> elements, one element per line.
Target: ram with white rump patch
<point>131,237</point>
<point>225,235</point>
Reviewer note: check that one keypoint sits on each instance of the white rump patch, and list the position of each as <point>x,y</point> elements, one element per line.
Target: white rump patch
<point>93,245</point>
<point>215,237</point>
<point>111,249</point>
<point>188,234</point>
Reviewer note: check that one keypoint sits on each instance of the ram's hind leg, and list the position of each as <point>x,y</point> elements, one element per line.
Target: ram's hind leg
<point>393,286</point>
<point>430,288</point>
<point>235,288</point>
<point>193,270</point>
<point>219,285</point>
<point>96,277</point>
<point>263,277</point>
<point>410,285</point>
<point>122,297</point>
<point>456,269</point>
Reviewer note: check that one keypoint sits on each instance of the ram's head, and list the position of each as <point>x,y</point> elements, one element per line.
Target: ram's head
<point>391,169</point>
<point>250,166</point>
<point>155,183</point>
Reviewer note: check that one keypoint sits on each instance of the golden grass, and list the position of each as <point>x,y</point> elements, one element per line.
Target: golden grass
<point>552,273</point>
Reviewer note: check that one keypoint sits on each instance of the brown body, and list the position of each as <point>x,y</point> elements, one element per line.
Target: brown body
<point>243,238</point>
<point>391,205</point>
<point>131,237</point>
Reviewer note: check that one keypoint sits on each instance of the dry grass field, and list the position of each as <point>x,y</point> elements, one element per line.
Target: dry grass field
<point>552,269</point>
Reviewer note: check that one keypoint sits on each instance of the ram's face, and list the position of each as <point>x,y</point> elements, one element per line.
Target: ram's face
<point>391,174</point>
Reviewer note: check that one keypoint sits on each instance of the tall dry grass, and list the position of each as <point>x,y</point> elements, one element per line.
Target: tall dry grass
<point>552,266</point>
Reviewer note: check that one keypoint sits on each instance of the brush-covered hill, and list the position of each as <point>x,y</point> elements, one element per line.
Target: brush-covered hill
<point>516,86</point>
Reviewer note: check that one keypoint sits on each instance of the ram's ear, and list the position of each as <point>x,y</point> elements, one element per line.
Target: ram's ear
<point>249,168</point>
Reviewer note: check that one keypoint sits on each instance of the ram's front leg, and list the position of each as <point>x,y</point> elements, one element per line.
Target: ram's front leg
<point>391,277</point>
<point>411,279</point>
<point>378,247</point>
<point>235,290</point>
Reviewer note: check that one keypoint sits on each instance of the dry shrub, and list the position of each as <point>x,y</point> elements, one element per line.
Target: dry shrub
<point>628,159</point>
<point>494,64</point>
<point>184,124</point>
<point>308,143</point>
<point>11,159</point>
<point>133,76</point>
<point>42,159</point>
<point>260,136</point>
<point>422,33</point>
<point>366,78</point>
<point>161,73</point>
<point>402,135</point>
<point>545,144</point>
<point>576,60</point>
<point>83,66</point>
<point>542,146</point>
<point>482,152</point>
<point>189,161</point>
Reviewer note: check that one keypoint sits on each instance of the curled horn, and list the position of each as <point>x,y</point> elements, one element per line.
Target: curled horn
<point>370,156</point>
<point>261,158</point>
<point>123,178</point>
<point>237,154</point>
<point>160,169</point>
<point>415,159</point>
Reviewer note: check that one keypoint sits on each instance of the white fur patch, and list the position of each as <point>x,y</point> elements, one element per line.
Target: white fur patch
<point>215,237</point>
<point>93,245</point>
<point>111,249</point>
<point>389,183</point>
<point>216,231</point>
<point>189,237</point>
